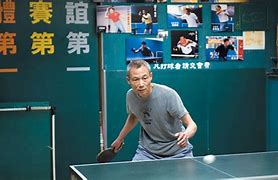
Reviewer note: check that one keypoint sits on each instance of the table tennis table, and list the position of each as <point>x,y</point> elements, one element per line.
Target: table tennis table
<point>245,166</point>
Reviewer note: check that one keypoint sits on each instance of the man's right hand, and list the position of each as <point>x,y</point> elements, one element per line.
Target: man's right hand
<point>117,145</point>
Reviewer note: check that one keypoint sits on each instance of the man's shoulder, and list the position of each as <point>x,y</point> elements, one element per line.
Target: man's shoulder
<point>231,46</point>
<point>164,88</point>
<point>165,92</point>
<point>130,95</point>
<point>220,46</point>
<point>129,92</point>
<point>193,14</point>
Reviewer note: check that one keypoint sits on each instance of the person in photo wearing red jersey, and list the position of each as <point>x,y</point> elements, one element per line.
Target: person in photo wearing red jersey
<point>114,17</point>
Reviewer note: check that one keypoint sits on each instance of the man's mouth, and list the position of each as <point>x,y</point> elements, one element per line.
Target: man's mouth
<point>141,90</point>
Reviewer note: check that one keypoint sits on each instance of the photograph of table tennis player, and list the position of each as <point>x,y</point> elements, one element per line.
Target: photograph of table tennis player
<point>185,16</point>
<point>224,48</point>
<point>162,33</point>
<point>132,1</point>
<point>113,19</point>
<point>148,49</point>
<point>222,18</point>
<point>224,1</point>
<point>144,19</point>
<point>114,1</point>
<point>185,1</point>
<point>184,44</point>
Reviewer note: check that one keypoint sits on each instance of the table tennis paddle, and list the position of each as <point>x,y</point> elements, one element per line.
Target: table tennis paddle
<point>107,155</point>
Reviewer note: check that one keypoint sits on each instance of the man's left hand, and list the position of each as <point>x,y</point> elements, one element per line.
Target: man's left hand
<point>182,139</point>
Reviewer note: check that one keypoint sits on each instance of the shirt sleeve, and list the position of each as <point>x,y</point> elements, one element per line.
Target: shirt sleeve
<point>231,47</point>
<point>195,16</point>
<point>175,105</point>
<point>183,17</point>
<point>218,48</point>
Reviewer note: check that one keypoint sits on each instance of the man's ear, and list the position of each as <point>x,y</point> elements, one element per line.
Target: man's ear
<point>127,79</point>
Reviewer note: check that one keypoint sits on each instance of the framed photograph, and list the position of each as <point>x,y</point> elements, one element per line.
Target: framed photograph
<point>184,44</point>
<point>114,1</point>
<point>144,19</point>
<point>224,48</point>
<point>184,1</point>
<point>224,1</point>
<point>222,18</point>
<point>162,33</point>
<point>132,1</point>
<point>184,16</point>
<point>254,40</point>
<point>113,19</point>
<point>148,49</point>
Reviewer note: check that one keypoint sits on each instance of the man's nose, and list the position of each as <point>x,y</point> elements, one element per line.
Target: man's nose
<point>141,82</point>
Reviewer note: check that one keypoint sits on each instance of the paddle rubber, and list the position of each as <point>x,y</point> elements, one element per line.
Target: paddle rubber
<point>106,155</point>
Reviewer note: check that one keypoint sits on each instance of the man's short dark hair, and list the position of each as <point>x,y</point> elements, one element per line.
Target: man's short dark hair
<point>111,7</point>
<point>226,39</point>
<point>188,9</point>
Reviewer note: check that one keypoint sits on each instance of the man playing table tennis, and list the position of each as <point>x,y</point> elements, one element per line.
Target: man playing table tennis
<point>161,113</point>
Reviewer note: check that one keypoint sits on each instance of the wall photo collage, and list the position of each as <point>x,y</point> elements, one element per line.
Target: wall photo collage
<point>183,21</point>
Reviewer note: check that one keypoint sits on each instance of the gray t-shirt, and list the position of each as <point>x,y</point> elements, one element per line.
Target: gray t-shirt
<point>160,118</point>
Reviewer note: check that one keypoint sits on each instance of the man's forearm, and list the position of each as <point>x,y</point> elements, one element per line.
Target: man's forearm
<point>129,125</point>
<point>191,126</point>
<point>191,130</point>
